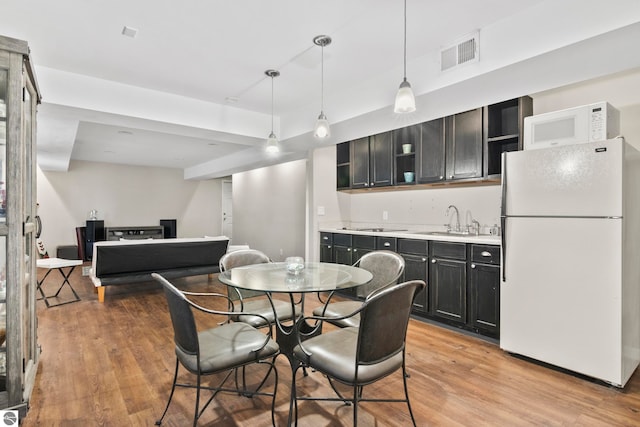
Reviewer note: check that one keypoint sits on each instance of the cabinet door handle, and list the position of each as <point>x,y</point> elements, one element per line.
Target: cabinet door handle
<point>451,177</point>
<point>355,250</point>
<point>473,266</point>
<point>325,238</point>
<point>433,261</point>
<point>387,244</point>
<point>348,249</point>
<point>373,183</point>
<point>366,184</point>
<point>424,260</point>
<point>441,177</point>
<point>329,247</point>
<point>485,253</point>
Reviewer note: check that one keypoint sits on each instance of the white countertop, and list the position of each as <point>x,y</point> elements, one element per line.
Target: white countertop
<point>408,234</point>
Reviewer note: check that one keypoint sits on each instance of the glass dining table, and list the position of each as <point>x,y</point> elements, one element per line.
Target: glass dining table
<point>275,278</point>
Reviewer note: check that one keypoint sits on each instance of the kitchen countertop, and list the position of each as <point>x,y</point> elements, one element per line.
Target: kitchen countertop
<point>419,234</point>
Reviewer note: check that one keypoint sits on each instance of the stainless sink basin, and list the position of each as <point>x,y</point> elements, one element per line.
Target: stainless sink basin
<point>450,233</point>
<point>379,230</point>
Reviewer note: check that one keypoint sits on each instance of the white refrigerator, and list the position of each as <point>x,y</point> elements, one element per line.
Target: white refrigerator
<point>570,290</point>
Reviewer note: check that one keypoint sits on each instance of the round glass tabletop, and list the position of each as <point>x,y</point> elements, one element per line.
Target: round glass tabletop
<point>315,277</point>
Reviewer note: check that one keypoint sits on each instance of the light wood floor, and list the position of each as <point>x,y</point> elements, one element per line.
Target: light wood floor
<point>111,364</point>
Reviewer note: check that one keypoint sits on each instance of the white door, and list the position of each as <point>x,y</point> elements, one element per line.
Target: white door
<point>576,180</point>
<point>560,299</point>
<point>227,209</point>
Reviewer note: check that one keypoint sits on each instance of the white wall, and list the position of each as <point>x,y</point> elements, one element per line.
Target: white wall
<point>269,206</point>
<point>125,196</point>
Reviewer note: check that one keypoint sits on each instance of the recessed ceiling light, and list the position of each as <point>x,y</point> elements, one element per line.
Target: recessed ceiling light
<point>212,144</point>
<point>129,32</point>
<point>125,132</point>
<point>232,99</point>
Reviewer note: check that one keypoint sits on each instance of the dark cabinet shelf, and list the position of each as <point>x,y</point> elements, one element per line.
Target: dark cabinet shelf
<point>503,131</point>
<point>405,161</point>
<point>343,166</point>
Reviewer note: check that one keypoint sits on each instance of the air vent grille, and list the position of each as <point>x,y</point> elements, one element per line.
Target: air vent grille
<point>464,50</point>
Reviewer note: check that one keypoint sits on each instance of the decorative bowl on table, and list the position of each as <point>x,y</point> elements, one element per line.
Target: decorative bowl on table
<point>294,265</point>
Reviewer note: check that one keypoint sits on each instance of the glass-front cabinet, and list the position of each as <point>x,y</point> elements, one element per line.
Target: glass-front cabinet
<point>19,350</point>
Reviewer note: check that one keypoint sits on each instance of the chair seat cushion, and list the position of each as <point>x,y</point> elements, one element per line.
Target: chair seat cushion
<point>338,309</point>
<point>334,354</point>
<point>226,347</point>
<point>262,307</point>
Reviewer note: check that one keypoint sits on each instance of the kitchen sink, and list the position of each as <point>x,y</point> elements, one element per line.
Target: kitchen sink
<point>440,233</point>
<point>450,233</point>
<point>379,230</point>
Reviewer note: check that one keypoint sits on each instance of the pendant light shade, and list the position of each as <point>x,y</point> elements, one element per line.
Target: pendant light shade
<point>405,101</point>
<point>322,129</point>
<point>273,145</point>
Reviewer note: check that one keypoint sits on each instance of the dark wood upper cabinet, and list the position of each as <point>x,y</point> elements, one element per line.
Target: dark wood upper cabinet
<point>464,145</point>
<point>360,163</point>
<point>431,152</point>
<point>372,161</point>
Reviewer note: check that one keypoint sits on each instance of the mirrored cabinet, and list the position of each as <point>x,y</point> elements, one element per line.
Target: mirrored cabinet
<point>19,350</point>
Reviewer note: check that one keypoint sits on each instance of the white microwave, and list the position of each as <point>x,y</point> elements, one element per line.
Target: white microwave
<point>586,123</point>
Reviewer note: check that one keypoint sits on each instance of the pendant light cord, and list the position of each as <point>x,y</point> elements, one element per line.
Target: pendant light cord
<point>405,40</point>
<point>322,81</point>
<point>272,104</point>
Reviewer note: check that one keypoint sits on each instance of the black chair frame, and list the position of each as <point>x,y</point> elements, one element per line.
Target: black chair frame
<point>186,316</point>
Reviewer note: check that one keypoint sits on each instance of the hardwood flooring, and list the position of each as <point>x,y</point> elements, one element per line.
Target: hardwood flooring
<point>111,364</point>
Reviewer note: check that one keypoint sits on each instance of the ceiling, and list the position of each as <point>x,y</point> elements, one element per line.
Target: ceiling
<point>189,90</point>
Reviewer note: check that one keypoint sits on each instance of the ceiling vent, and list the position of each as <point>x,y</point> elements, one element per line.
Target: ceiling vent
<point>464,50</point>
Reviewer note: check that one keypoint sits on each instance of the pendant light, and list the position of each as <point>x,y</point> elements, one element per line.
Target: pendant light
<point>405,101</point>
<point>322,129</point>
<point>273,145</point>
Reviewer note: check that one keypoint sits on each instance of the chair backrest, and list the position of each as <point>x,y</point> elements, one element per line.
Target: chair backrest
<point>240,258</point>
<point>185,334</point>
<point>383,321</point>
<point>386,268</point>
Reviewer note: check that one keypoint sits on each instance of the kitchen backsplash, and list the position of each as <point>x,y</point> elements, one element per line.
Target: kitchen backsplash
<point>419,208</point>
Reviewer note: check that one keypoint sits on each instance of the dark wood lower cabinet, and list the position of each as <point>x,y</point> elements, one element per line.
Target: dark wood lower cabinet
<point>463,279</point>
<point>484,292</point>
<point>417,268</point>
<point>448,283</point>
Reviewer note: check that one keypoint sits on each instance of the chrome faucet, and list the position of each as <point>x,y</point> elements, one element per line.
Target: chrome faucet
<point>457,229</point>
<point>475,226</point>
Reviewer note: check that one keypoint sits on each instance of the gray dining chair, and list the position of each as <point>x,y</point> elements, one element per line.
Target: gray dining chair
<point>359,356</point>
<point>222,349</point>
<point>386,268</point>
<point>255,301</point>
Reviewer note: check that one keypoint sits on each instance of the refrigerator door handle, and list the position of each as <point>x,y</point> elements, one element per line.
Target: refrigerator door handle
<point>503,217</point>
<point>503,242</point>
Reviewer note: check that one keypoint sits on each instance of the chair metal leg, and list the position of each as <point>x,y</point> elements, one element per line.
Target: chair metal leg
<point>196,415</point>
<point>173,388</point>
<point>356,397</point>
<point>406,391</point>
